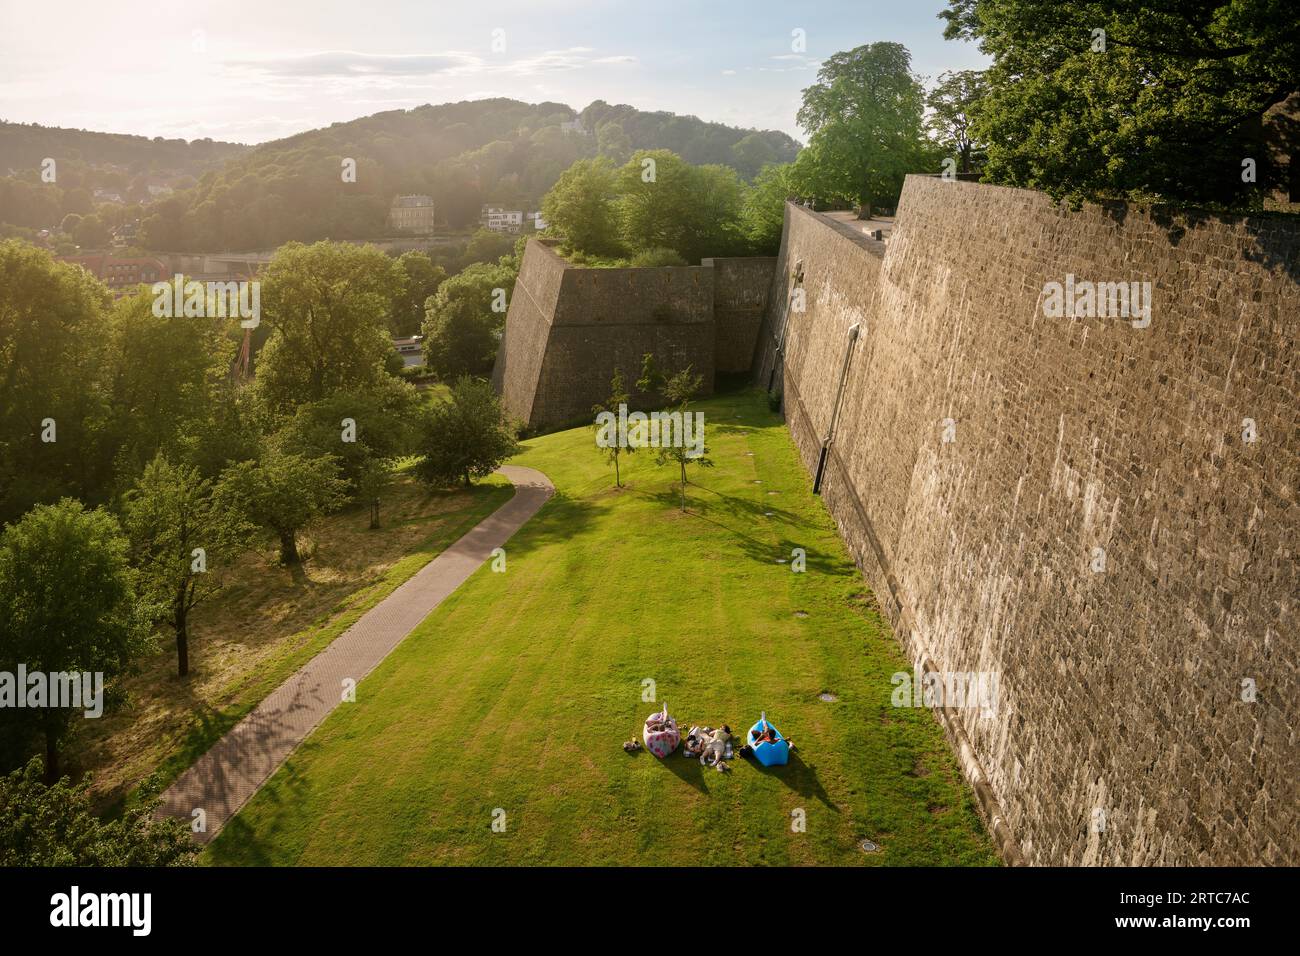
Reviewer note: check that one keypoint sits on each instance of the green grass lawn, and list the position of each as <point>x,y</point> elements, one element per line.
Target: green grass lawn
<point>516,694</point>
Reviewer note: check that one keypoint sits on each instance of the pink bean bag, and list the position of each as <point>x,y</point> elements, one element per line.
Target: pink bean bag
<point>661,735</point>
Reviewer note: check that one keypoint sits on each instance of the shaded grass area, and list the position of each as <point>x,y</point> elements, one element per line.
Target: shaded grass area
<point>509,703</point>
<point>263,626</point>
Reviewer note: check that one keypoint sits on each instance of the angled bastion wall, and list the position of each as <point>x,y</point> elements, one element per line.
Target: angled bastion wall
<point>568,328</point>
<point>1077,505</point>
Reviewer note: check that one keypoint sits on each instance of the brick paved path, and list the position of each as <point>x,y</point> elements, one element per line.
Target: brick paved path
<point>224,778</point>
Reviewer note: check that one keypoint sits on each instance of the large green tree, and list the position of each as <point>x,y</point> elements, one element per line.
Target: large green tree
<point>580,207</point>
<point>182,542</point>
<point>52,334</point>
<point>70,605</point>
<point>763,215</point>
<point>365,432</point>
<point>1130,98</point>
<point>952,103</point>
<point>864,117</point>
<point>464,320</point>
<point>328,308</point>
<point>466,437</point>
<point>165,377</point>
<point>664,202</point>
<point>283,493</point>
<point>421,280</point>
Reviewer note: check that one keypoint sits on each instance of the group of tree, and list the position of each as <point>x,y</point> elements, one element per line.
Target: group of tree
<point>670,393</point>
<point>1131,100</point>
<point>655,209</point>
<point>136,472</point>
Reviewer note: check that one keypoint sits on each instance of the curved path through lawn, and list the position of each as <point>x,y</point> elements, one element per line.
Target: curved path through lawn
<point>224,778</point>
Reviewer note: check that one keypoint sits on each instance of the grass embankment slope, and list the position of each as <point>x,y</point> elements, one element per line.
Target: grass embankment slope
<point>516,693</point>
<point>266,623</point>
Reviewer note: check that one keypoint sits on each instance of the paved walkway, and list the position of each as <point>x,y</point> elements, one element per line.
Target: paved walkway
<point>230,773</point>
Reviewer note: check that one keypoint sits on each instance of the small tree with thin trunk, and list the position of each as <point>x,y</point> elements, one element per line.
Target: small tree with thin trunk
<point>678,391</point>
<point>612,450</point>
<point>182,540</point>
<point>70,605</point>
<point>466,437</point>
<point>283,493</point>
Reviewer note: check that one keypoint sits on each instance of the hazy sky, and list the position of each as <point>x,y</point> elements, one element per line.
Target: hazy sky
<point>253,71</point>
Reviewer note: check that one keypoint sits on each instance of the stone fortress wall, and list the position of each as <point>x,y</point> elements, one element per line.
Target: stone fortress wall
<point>568,328</point>
<point>1077,506</point>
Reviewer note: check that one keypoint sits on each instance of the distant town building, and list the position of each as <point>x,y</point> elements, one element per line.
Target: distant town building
<point>411,349</point>
<point>502,220</point>
<point>412,213</point>
<point>574,126</point>
<point>156,190</point>
<point>536,221</point>
<point>108,195</point>
<point>121,274</point>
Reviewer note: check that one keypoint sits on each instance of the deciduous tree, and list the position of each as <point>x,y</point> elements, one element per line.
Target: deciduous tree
<point>70,605</point>
<point>466,437</point>
<point>183,540</point>
<point>283,493</point>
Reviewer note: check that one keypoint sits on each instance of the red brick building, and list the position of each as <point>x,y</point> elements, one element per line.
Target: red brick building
<point>119,274</point>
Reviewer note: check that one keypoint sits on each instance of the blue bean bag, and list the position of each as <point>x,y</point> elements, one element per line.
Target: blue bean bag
<point>768,753</point>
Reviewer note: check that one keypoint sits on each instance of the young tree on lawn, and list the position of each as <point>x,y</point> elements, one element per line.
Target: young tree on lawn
<point>70,605</point>
<point>678,392</point>
<point>617,396</point>
<point>181,541</point>
<point>466,437</point>
<point>55,825</point>
<point>283,493</point>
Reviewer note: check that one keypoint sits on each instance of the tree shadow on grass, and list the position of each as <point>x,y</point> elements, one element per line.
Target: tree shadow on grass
<point>751,514</point>
<point>561,520</point>
<point>252,746</point>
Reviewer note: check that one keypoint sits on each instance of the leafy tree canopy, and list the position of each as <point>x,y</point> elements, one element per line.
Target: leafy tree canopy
<point>1130,99</point>
<point>466,437</point>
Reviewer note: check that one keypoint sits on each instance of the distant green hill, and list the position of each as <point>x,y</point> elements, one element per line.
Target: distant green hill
<point>24,145</point>
<point>463,154</point>
<point>84,161</point>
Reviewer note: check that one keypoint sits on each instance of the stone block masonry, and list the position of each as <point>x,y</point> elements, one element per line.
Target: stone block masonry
<point>1103,514</point>
<point>568,328</point>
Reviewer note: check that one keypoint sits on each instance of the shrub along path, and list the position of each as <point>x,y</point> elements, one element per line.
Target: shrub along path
<point>225,778</point>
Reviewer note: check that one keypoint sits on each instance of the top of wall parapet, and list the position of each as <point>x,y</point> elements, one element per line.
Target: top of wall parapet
<point>875,247</point>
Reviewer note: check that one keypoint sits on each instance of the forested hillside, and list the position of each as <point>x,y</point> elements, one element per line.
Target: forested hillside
<point>33,197</point>
<point>463,154</point>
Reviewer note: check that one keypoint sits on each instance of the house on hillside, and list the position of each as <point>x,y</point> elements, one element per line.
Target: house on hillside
<point>498,219</point>
<point>412,213</point>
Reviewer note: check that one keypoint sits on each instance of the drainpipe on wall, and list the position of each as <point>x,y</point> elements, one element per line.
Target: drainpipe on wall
<point>797,277</point>
<point>780,343</point>
<point>835,415</point>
